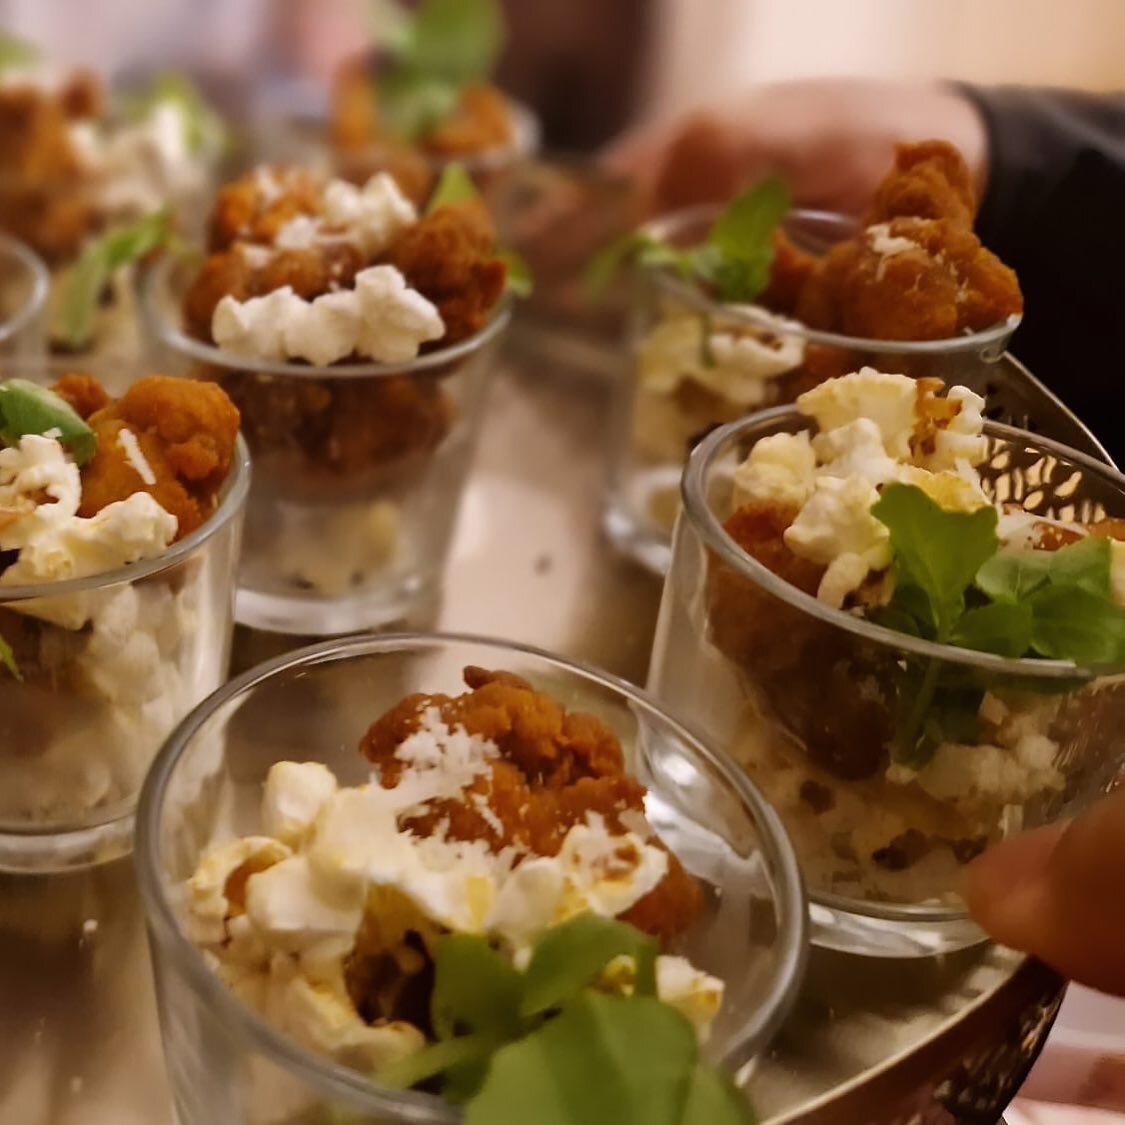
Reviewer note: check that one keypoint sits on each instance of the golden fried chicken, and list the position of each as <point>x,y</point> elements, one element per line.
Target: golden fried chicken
<point>480,121</point>
<point>790,271</point>
<point>910,279</point>
<point>254,207</point>
<point>555,768</point>
<point>83,392</point>
<point>185,431</point>
<point>449,256</point>
<point>929,180</point>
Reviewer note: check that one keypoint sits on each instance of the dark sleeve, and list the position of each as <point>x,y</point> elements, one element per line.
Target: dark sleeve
<point>1054,210</point>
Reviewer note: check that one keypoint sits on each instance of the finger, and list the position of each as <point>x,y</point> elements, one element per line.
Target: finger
<point>1059,892</point>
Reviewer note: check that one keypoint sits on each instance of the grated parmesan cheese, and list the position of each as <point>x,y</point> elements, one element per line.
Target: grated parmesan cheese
<point>127,441</point>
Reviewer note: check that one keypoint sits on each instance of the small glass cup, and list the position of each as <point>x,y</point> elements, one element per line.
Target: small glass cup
<point>227,1064</point>
<point>24,285</point>
<point>807,699</point>
<point>358,470</point>
<point>670,396</point>
<point>108,665</point>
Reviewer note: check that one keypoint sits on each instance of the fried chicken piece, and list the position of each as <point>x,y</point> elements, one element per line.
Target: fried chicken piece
<point>920,279</point>
<point>555,768</point>
<point>790,271</point>
<point>929,180</point>
<point>254,207</point>
<point>409,168</point>
<point>83,392</point>
<point>481,121</point>
<point>186,431</point>
<point>225,273</point>
<point>353,118</point>
<point>449,256</point>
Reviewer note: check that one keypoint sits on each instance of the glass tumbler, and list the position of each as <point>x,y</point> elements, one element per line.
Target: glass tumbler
<point>107,665</point>
<point>687,373</point>
<point>358,470</point>
<point>24,285</point>
<point>226,1064</point>
<point>809,699</point>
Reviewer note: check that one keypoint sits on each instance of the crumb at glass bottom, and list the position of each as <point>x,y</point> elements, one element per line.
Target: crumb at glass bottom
<point>299,893</point>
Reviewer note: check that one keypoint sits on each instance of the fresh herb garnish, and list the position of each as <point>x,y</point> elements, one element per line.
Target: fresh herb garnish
<point>548,1045</point>
<point>17,52</point>
<point>8,659</point>
<point>27,408</point>
<point>206,130</point>
<point>83,283</point>
<point>455,186</point>
<point>733,260</point>
<point>954,585</point>
<point>432,53</point>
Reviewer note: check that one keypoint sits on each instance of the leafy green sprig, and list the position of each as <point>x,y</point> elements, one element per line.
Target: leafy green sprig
<point>206,130</point>
<point>17,52</point>
<point>431,54</point>
<point>954,585</point>
<point>733,261</point>
<point>548,1045</point>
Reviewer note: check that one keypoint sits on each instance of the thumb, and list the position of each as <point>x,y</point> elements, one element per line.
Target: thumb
<point>1059,893</point>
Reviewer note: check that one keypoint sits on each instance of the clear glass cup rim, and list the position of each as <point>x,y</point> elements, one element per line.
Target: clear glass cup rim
<point>172,336</point>
<point>991,341</point>
<point>335,1079</point>
<point>698,511</point>
<point>40,285</point>
<point>233,497</point>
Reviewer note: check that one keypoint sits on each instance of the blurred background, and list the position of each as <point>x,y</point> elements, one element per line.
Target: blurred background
<point>590,67</point>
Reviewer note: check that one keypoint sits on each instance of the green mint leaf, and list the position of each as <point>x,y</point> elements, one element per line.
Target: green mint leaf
<point>714,1099</point>
<point>1085,565</point>
<point>455,185</point>
<point>1001,627</point>
<point>518,280</point>
<point>412,102</point>
<point>8,659</point>
<point>17,52</point>
<point>475,990</point>
<point>1011,576</point>
<point>604,266</point>
<point>82,285</point>
<point>604,1060</point>
<point>448,1056</point>
<point>458,41</point>
<point>206,130</point>
<point>1070,623</point>
<point>744,228</point>
<point>27,408</point>
<point>570,956</point>
<point>938,552</point>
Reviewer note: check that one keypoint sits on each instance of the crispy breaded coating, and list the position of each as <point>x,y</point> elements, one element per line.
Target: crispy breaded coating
<point>254,207</point>
<point>186,431</point>
<point>935,282</point>
<point>555,768</point>
<point>929,180</point>
<point>84,393</point>
<point>481,120</point>
<point>449,256</point>
<point>790,271</point>
<point>224,273</point>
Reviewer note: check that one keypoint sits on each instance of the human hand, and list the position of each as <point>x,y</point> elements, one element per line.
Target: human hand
<point>1059,892</point>
<point>832,140</point>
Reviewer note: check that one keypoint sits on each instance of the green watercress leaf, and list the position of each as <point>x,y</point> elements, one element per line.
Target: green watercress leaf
<point>82,285</point>
<point>1000,627</point>
<point>413,103</point>
<point>1012,576</point>
<point>570,956</point>
<point>1070,623</point>
<point>17,52</point>
<point>448,1056</point>
<point>27,408</point>
<point>518,279</point>
<point>739,250</point>
<point>714,1099</point>
<point>475,989</point>
<point>603,1060</point>
<point>458,40</point>
<point>8,659</point>
<point>936,551</point>
<point>454,186</point>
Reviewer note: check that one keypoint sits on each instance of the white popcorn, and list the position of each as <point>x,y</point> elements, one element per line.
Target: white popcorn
<point>256,328</point>
<point>962,440</point>
<point>325,330</point>
<point>887,399</point>
<point>295,792</point>
<point>375,214</point>
<point>396,320</point>
<point>855,449</point>
<point>780,469</point>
